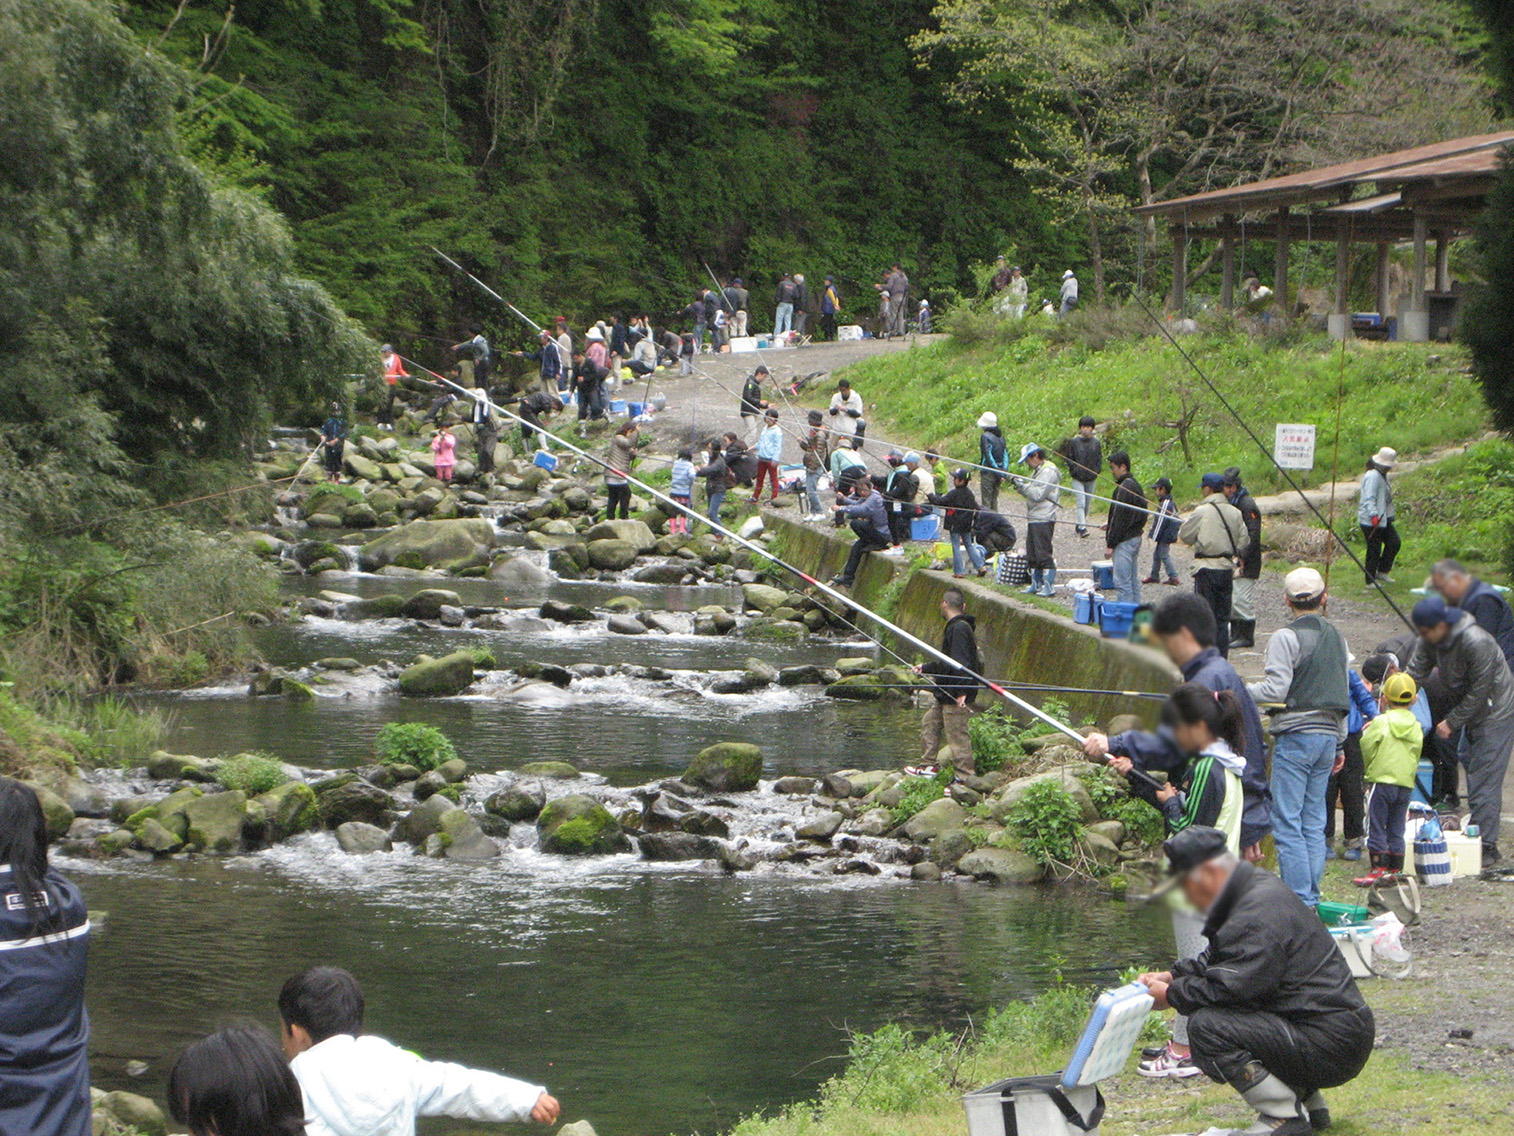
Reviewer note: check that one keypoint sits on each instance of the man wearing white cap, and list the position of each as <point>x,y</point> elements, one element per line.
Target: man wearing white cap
<point>1069,292</point>
<point>1040,491</point>
<point>1307,691</point>
<point>993,456</point>
<point>1374,512</point>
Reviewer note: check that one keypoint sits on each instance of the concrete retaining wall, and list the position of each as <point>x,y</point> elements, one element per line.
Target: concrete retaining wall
<point>1019,642</point>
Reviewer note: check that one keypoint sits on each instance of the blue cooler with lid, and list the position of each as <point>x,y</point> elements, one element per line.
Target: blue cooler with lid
<point>1116,619</point>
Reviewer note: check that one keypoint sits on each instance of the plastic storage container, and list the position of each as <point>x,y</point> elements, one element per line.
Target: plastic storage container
<point>925,528</point>
<point>636,409</point>
<point>547,461</point>
<point>1116,619</point>
<point>1466,854</point>
<point>1085,607</point>
<point>1341,914</point>
<point>1355,946</point>
<point>1034,1106</point>
<point>1103,574</point>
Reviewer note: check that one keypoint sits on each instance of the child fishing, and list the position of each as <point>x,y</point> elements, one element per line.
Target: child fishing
<point>1209,729</point>
<point>1391,746</point>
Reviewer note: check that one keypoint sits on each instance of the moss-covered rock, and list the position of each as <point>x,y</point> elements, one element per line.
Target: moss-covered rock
<point>518,802</point>
<point>432,544</point>
<point>423,820</point>
<point>340,800</point>
<point>428,603</point>
<point>552,770</point>
<point>611,555</point>
<point>215,822</point>
<point>577,825</point>
<point>1001,866</point>
<point>290,810</point>
<point>358,839</point>
<point>768,630</point>
<point>55,809</point>
<point>763,598</point>
<point>374,607</point>
<point>726,767</point>
<point>857,688</point>
<point>164,766</point>
<point>465,840</point>
<point>625,605</point>
<point>438,678</point>
<point>153,836</point>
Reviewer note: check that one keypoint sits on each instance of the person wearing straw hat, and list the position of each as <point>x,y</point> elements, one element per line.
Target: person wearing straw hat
<point>1272,1008</point>
<point>993,456</point>
<point>1040,492</point>
<point>1472,666</point>
<point>1374,512</point>
<point>1307,687</point>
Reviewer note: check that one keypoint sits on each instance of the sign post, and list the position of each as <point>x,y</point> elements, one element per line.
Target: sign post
<point>1294,446</point>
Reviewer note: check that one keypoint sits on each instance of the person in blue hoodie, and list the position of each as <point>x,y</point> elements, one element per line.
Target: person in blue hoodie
<point>1349,785</point>
<point>44,946</point>
<point>869,521</point>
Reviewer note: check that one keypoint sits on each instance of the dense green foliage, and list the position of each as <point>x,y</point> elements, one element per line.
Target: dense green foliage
<point>1488,326</point>
<point>1113,801</point>
<point>413,743</point>
<point>1040,379</point>
<point>1462,507</point>
<point>253,773</point>
<point>998,737</point>
<point>918,792</point>
<point>1046,823</point>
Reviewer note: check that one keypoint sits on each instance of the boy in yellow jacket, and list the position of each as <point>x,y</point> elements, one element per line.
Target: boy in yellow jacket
<point>1390,751</point>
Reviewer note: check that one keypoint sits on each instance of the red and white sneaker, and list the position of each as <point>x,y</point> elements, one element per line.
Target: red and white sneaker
<point>1168,1065</point>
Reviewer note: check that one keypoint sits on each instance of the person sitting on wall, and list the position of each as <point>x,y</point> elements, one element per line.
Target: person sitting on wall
<point>1272,1008</point>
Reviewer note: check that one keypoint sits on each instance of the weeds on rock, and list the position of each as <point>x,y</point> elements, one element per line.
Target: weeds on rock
<point>921,791</point>
<point>253,773</point>
<point>1114,802</point>
<point>413,743</point>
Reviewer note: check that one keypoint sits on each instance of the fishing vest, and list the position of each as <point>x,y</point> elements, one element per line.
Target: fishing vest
<point>1319,676</point>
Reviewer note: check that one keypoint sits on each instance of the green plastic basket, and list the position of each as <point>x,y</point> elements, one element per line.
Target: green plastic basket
<point>1342,914</point>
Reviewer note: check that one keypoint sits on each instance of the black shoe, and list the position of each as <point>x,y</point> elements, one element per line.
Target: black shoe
<point>1490,855</point>
<point>1083,532</point>
<point>839,582</point>
<point>1319,1119</point>
<point>1152,1052</point>
<point>1245,633</point>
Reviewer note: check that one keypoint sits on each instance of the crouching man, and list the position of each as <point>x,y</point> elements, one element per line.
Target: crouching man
<point>1272,1008</point>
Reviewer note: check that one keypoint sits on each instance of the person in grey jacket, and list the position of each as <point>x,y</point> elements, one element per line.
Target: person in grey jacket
<point>1307,689</point>
<point>1040,491</point>
<point>869,521</point>
<point>1473,669</point>
<point>1374,512</point>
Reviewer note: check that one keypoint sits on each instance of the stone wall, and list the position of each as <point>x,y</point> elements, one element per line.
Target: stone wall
<point>1019,642</point>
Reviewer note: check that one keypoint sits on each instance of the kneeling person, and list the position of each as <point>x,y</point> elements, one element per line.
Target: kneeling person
<point>1272,1008</point>
<point>355,1084</point>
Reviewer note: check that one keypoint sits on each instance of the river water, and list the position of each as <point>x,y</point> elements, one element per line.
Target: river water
<point>649,998</point>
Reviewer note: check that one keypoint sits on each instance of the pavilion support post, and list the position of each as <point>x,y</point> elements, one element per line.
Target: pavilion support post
<point>1414,325</point>
<point>1179,269</point>
<point>1227,265</point>
<point>1280,264</point>
<point>1384,300</point>
<point>1442,262</point>
<point>1340,320</point>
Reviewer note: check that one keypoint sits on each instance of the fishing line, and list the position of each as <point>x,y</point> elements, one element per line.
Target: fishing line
<point>1288,477</point>
<point>766,554</point>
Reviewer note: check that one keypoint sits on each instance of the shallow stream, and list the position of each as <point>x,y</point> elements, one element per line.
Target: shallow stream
<point>651,998</point>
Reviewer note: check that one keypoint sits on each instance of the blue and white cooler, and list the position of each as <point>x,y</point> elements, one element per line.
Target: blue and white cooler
<point>1067,1103</point>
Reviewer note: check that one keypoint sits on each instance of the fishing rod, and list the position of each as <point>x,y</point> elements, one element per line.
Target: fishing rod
<point>458,267</point>
<point>1288,477</point>
<point>840,597</point>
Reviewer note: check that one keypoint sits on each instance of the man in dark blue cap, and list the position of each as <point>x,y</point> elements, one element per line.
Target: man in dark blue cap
<point>1272,1008</point>
<point>1474,672</point>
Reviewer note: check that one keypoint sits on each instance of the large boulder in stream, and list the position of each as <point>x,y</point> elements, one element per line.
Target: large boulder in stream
<point>635,533</point>
<point>423,820</point>
<point>214,822</point>
<point>1001,866</point>
<point>347,798</point>
<point>518,802</point>
<point>666,846</point>
<point>438,678</point>
<point>359,839</point>
<point>726,767</point>
<point>428,604</point>
<point>763,597</point>
<point>578,825</point>
<point>935,818</point>
<point>290,810</point>
<point>54,809</point>
<point>611,555</point>
<point>461,543</point>
<point>459,837</point>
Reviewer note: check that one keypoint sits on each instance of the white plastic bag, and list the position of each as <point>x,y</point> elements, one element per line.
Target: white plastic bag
<point>1391,956</point>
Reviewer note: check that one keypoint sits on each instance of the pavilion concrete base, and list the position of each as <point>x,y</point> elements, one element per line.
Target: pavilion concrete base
<point>1414,327</point>
<point>1339,326</point>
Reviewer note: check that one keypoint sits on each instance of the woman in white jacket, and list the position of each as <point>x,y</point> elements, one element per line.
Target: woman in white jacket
<point>359,1085</point>
<point>1374,512</point>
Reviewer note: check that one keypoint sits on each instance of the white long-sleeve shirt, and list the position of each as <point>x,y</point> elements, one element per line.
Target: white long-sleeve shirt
<point>366,1086</point>
<point>842,421</point>
<point>1041,491</point>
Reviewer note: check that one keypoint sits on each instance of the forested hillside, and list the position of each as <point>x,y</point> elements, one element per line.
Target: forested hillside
<point>587,154</point>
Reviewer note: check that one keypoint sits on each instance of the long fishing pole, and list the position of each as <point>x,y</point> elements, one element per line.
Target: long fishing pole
<point>1027,707</point>
<point>534,325</point>
<point>1288,477</point>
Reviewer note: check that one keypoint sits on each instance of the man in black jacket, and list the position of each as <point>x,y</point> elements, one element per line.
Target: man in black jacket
<point>900,489</point>
<point>1249,571</point>
<point>1272,1008</point>
<point>954,692</point>
<point>1085,461</point>
<point>1122,532</point>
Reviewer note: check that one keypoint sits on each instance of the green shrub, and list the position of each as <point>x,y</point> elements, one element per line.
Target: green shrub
<point>918,792</point>
<point>253,773</point>
<point>1046,823</point>
<point>413,743</point>
<point>996,740</point>
<point>1113,801</point>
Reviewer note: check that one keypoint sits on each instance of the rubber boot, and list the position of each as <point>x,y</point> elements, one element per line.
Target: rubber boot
<point>1035,583</point>
<point>1277,1106</point>
<point>1319,1112</point>
<point>1051,582</point>
<point>1243,633</point>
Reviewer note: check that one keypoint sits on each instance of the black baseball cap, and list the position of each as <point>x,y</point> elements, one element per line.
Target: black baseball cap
<point>1186,851</point>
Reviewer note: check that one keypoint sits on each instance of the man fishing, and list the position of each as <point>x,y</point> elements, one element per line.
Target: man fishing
<point>953,691</point>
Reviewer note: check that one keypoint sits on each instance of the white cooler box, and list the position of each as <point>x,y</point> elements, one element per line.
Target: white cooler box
<point>1067,1103</point>
<point>849,331</point>
<point>743,343</point>
<point>1466,854</point>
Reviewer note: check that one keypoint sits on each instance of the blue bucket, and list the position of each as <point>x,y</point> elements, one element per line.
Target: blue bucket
<point>617,406</point>
<point>1085,607</point>
<point>547,461</point>
<point>636,409</point>
<point>1116,619</point>
<point>925,528</point>
<point>1103,574</point>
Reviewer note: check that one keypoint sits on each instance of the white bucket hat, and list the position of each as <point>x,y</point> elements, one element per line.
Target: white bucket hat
<point>987,419</point>
<point>595,336</point>
<point>1304,584</point>
<point>1387,457</point>
<point>1066,274</point>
